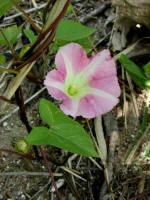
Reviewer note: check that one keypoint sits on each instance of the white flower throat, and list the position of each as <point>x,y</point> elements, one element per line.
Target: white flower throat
<point>76,86</point>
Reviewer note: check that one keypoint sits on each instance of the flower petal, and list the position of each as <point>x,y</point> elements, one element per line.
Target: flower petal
<point>77,58</point>
<point>55,84</point>
<point>108,84</point>
<point>70,107</point>
<point>101,65</point>
<point>92,106</point>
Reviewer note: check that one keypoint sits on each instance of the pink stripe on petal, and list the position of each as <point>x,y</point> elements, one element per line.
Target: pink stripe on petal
<point>55,75</point>
<point>70,107</point>
<point>92,106</point>
<point>55,84</point>
<point>56,93</point>
<point>108,84</point>
<point>75,54</point>
<point>102,65</point>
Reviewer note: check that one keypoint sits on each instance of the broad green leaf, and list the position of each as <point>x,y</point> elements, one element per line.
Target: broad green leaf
<point>11,33</point>
<point>135,72</point>
<point>147,68</point>
<point>5,5</point>
<point>84,42</point>
<point>64,132</point>
<point>2,59</point>
<point>30,35</point>
<point>70,30</point>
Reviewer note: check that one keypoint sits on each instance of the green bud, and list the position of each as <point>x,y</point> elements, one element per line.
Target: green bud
<point>22,146</point>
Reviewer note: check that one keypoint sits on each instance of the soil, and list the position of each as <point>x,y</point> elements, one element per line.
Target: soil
<point>22,178</point>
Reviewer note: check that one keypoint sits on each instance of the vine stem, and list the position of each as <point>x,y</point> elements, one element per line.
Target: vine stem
<point>23,117</point>
<point>16,153</point>
<point>50,172</point>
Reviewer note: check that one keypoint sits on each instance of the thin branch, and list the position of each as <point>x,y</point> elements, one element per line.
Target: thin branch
<point>26,11</point>
<point>26,173</point>
<point>10,46</point>
<point>140,195</point>
<point>27,101</point>
<point>7,100</point>
<point>50,172</point>
<point>18,154</point>
<point>27,16</point>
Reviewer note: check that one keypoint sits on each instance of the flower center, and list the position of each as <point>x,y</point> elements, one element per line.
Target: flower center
<point>72,90</point>
<point>76,86</point>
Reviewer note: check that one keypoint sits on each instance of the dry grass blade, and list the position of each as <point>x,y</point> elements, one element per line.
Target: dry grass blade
<point>133,96</point>
<point>54,14</point>
<point>16,82</point>
<point>100,139</point>
<point>28,61</point>
<point>72,173</point>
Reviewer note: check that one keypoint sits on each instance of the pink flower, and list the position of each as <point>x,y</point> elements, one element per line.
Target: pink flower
<point>87,86</point>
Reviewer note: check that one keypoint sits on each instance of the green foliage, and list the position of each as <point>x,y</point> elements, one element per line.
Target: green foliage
<point>69,9</point>
<point>64,132</point>
<point>135,72</point>
<point>84,42</point>
<point>30,35</point>
<point>147,68</point>
<point>23,51</point>
<point>69,30</point>
<point>2,59</point>
<point>4,6</point>
<point>146,154</point>
<point>11,33</point>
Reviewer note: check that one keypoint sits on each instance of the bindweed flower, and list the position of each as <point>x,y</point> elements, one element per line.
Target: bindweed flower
<point>87,86</point>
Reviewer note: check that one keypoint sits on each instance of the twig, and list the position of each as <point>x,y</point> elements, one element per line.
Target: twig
<point>25,173</point>
<point>41,189</point>
<point>27,101</point>
<point>18,154</point>
<point>10,46</point>
<point>73,173</point>
<point>50,172</point>
<point>27,16</point>
<point>23,117</point>
<point>140,195</point>
<point>26,11</point>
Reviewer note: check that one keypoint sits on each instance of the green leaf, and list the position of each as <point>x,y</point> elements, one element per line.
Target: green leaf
<point>30,35</point>
<point>5,5</point>
<point>135,72</point>
<point>69,30</point>
<point>147,68</point>
<point>69,9</point>
<point>84,42</point>
<point>2,59</point>
<point>64,132</point>
<point>11,33</point>
<point>23,51</point>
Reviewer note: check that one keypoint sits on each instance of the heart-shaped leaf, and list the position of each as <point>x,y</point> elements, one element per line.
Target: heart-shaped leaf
<point>69,30</point>
<point>64,132</point>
